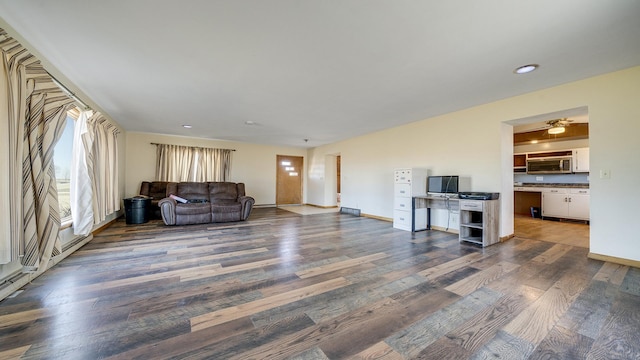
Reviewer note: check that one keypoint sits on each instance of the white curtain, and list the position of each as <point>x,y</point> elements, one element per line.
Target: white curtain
<point>175,163</point>
<point>213,164</point>
<point>186,163</point>
<point>81,189</point>
<point>100,142</point>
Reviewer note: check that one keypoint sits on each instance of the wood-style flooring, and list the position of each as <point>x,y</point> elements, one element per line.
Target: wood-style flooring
<point>328,286</point>
<point>574,233</point>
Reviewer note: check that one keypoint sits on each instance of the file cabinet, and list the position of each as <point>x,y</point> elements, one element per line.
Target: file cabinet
<point>407,183</point>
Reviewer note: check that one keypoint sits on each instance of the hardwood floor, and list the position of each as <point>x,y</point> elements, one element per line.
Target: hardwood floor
<point>574,233</point>
<point>327,286</point>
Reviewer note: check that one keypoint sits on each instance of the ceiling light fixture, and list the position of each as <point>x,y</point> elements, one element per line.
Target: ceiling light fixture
<point>249,122</point>
<point>526,69</point>
<point>187,126</point>
<point>556,130</point>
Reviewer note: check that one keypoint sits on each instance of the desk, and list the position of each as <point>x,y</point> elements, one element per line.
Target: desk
<point>429,202</point>
<point>479,220</point>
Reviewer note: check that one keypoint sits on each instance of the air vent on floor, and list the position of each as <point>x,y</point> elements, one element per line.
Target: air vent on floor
<point>350,211</point>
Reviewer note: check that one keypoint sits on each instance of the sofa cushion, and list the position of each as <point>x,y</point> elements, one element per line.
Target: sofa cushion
<point>193,190</point>
<point>226,211</point>
<point>223,191</point>
<point>226,207</point>
<point>158,190</point>
<point>192,208</point>
<point>194,213</point>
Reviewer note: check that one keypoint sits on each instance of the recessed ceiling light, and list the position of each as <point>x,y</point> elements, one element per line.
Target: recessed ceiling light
<point>526,69</point>
<point>249,122</point>
<point>187,126</point>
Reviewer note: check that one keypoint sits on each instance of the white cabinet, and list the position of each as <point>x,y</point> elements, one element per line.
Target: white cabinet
<point>479,221</point>
<point>406,184</point>
<point>581,160</point>
<point>579,204</point>
<point>565,203</point>
<point>554,203</point>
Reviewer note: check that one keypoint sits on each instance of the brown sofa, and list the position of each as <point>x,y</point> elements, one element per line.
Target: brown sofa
<point>208,202</point>
<point>156,190</point>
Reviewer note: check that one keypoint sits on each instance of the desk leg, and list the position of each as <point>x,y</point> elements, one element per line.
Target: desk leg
<point>428,218</point>
<point>413,214</point>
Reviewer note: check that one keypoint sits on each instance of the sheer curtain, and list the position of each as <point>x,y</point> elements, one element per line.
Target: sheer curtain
<point>102,165</point>
<point>175,163</point>
<point>186,163</point>
<point>36,116</point>
<point>214,164</point>
<point>94,184</point>
<point>81,190</point>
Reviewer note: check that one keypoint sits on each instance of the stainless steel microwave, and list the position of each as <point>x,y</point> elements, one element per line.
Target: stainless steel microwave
<point>549,165</point>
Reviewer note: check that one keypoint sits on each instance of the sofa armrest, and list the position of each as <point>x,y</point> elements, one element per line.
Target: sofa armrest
<point>168,210</point>
<point>247,204</point>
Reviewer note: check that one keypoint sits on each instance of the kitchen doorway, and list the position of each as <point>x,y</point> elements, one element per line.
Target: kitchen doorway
<point>566,193</point>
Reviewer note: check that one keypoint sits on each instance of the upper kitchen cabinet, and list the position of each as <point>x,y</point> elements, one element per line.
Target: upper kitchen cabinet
<point>520,163</point>
<point>581,160</point>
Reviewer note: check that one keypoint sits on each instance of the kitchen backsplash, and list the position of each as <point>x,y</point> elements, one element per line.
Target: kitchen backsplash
<point>552,178</point>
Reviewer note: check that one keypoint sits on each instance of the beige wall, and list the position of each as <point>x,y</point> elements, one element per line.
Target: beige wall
<point>254,165</point>
<point>471,143</point>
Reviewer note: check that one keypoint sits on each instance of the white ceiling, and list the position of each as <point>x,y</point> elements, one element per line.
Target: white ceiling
<point>318,70</point>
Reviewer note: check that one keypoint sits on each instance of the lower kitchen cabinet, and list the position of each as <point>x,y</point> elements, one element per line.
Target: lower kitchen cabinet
<point>566,203</point>
<point>579,204</point>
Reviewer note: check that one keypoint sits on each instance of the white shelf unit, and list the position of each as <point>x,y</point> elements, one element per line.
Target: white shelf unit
<point>479,221</point>
<point>406,184</point>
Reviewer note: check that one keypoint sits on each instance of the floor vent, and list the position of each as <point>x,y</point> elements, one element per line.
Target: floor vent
<point>350,211</point>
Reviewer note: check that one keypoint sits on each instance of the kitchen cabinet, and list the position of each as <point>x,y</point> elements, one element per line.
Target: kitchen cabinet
<point>565,203</point>
<point>579,204</point>
<point>581,160</point>
<point>520,163</point>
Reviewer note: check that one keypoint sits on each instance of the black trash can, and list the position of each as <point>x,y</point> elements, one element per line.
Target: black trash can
<point>535,212</point>
<point>136,209</point>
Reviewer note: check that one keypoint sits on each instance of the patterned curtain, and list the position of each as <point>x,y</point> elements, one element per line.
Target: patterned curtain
<point>100,143</point>
<point>186,163</point>
<point>36,113</point>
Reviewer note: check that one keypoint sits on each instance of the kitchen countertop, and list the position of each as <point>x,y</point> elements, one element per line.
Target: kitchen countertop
<point>552,185</point>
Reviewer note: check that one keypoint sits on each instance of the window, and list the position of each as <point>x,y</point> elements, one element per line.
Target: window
<point>62,155</point>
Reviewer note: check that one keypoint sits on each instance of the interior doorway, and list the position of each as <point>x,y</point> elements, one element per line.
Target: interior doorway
<point>531,138</point>
<point>338,180</point>
<point>289,170</point>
